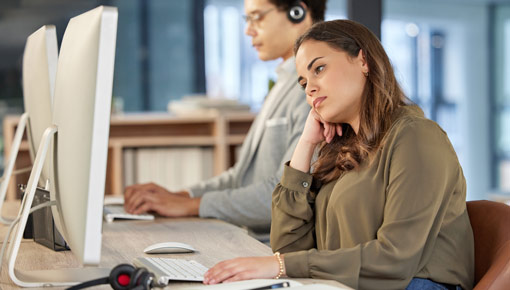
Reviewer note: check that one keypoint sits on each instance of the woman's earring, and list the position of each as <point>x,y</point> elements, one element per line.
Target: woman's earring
<point>366,74</point>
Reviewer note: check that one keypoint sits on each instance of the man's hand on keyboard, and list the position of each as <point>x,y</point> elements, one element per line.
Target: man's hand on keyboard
<point>142,198</point>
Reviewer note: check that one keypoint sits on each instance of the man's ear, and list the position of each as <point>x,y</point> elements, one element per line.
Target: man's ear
<point>305,6</point>
<point>307,9</point>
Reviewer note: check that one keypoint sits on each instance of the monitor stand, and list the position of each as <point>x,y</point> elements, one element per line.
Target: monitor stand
<point>10,164</point>
<point>43,278</point>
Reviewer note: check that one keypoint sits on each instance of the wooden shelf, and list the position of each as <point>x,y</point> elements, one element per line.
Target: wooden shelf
<point>220,130</point>
<point>163,141</point>
<point>235,139</point>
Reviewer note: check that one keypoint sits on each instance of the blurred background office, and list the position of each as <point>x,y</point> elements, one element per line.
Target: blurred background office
<point>452,57</point>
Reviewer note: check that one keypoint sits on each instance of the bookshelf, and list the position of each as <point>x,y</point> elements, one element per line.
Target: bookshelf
<point>220,130</point>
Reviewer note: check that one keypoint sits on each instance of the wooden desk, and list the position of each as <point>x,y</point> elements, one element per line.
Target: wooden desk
<point>125,240</point>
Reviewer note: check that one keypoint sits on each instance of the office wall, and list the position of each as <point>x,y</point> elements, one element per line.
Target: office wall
<point>170,45</point>
<point>155,60</point>
<point>128,65</point>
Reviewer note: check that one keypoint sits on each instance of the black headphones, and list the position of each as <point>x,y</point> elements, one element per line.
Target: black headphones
<point>296,12</point>
<point>124,277</point>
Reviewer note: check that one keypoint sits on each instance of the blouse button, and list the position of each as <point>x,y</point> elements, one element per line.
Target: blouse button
<point>305,184</point>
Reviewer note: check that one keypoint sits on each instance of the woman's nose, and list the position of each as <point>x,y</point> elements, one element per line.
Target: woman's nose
<point>311,89</point>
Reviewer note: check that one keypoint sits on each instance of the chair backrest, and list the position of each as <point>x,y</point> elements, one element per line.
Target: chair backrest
<point>491,229</point>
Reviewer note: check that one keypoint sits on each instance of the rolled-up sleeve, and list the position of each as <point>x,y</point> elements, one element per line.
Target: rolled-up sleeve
<point>292,212</point>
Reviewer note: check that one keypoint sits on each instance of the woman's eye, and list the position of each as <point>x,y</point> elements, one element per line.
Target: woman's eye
<point>303,86</point>
<point>319,69</point>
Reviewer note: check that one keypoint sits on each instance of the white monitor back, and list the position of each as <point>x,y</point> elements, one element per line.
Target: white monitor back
<point>81,112</point>
<point>39,71</point>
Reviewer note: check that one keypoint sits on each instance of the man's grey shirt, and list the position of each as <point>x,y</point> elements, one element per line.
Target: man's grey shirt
<point>242,194</point>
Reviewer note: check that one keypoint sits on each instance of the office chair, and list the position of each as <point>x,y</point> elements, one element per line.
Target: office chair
<point>491,229</point>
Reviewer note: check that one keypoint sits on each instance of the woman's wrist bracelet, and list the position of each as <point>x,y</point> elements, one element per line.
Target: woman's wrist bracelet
<point>280,263</point>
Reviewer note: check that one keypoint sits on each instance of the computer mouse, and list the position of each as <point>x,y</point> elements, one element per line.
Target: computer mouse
<point>169,248</point>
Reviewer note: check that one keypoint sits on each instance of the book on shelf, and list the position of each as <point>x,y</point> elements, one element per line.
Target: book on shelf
<point>128,170</point>
<point>173,168</point>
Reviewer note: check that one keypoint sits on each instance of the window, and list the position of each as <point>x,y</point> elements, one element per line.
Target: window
<point>439,51</point>
<point>501,102</point>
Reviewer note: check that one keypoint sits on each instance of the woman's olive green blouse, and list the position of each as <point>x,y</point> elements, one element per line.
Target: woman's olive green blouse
<point>403,215</point>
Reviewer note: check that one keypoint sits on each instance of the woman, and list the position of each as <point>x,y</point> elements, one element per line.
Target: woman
<point>384,206</point>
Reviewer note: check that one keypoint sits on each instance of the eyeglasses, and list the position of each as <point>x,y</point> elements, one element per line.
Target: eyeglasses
<point>255,17</point>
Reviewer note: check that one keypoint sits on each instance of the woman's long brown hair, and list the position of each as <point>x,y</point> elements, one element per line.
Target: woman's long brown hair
<point>382,96</point>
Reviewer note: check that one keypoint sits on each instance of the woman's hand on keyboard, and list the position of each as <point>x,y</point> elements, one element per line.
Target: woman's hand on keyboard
<point>243,269</point>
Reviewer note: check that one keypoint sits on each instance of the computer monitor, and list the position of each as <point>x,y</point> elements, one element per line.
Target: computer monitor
<point>83,95</point>
<point>78,155</point>
<point>39,70</point>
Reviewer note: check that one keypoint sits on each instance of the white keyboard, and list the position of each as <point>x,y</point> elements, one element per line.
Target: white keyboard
<point>112,212</point>
<point>166,270</point>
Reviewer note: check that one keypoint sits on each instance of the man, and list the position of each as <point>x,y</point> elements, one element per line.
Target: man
<point>242,194</point>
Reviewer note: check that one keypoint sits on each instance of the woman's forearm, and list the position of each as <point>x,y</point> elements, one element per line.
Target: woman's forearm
<point>302,156</point>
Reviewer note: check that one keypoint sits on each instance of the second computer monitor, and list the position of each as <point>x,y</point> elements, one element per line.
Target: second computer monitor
<point>39,71</point>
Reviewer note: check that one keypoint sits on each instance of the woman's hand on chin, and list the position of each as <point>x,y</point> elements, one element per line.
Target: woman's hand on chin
<point>330,130</point>
<point>321,129</point>
<point>317,130</point>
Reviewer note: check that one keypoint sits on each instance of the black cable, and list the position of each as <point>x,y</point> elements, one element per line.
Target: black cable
<point>90,283</point>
